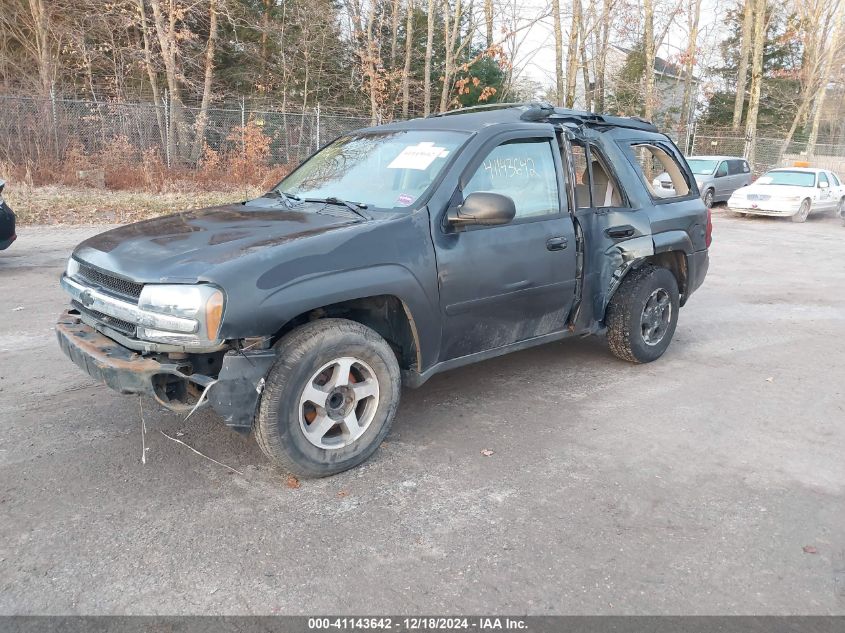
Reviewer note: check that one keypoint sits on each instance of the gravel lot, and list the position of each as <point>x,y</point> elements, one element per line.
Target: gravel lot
<point>689,486</point>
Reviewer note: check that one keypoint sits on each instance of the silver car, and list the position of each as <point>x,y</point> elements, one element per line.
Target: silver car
<point>717,178</point>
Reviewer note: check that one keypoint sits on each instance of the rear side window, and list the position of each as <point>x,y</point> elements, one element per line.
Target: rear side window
<point>822,178</point>
<point>525,171</point>
<point>663,176</point>
<point>745,168</point>
<point>834,178</point>
<point>736,167</point>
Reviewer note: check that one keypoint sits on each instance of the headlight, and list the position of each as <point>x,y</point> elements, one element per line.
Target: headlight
<point>72,267</point>
<point>201,305</point>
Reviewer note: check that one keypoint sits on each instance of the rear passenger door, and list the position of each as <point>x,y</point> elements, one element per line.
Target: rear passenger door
<point>736,175</point>
<point>826,197</point>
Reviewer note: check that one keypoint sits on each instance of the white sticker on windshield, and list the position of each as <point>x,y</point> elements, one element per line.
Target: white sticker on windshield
<point>418,156</point>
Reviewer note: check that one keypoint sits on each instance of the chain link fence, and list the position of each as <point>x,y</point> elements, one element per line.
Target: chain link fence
<point>34,130</point>
<point>768,152</point>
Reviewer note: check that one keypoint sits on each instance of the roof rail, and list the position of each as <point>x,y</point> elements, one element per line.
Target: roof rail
<point>537,111</point>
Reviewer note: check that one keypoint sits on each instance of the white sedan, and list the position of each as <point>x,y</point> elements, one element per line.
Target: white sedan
<point>791,191</point>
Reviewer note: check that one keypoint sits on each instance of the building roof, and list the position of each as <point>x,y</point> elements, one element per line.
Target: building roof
<point>662,67</point>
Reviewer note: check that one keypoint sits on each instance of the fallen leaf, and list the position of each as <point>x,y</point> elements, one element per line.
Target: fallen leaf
<point>342,494</point>
<point>810,549</point>
<point>292,482</point>
<point>487,452</point>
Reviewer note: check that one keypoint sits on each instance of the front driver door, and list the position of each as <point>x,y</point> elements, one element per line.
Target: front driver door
<point>504,284</point>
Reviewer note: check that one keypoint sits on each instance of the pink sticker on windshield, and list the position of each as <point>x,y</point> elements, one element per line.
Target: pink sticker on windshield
<point>404,199</point>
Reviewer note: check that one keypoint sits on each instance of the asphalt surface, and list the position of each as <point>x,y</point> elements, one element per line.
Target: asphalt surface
<point>692,485</point>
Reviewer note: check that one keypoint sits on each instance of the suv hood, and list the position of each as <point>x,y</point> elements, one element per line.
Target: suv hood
<point>183,247</point>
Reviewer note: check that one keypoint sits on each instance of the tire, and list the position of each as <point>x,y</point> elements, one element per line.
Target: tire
<point>322,361</point>
<point>708,198</point>
<point>840,209</point>
<point>803,212</point>
<point>627,320</point>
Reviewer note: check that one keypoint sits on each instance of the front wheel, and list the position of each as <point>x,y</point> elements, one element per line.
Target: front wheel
<point>708,198</point>
<point>803,212</point>
<point>329,400</point>
<point>643,314</point>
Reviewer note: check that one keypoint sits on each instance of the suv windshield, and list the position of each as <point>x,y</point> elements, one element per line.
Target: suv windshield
<point>794,178</point>
<point>701,166</point>
<point>380,169</point>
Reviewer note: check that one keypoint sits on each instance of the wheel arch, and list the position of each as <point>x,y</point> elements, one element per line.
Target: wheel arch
<point>386,314</point>
<point>673,260</point>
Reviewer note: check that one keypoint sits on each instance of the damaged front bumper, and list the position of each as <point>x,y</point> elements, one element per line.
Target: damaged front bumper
<point>175,383</point>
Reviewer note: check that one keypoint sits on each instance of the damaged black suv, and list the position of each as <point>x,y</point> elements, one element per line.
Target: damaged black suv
<point>393,253</point>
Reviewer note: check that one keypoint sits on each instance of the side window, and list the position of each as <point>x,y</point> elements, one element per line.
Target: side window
<point>582,183</point>
<point>822,179</point>
<point>722,169</point>
<point>605,188</point>
<point>661,173</point>
<point>835,179</point>
<point>525,171</point>
<point>734,167</point>
<point>745,168</point>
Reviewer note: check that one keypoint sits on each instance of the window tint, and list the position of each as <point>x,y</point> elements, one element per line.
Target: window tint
<point>722,169</point>
<point>834,178</point>
<point>823,178</point>
<point>734,167</point>
<point>662,174</point>
<point>525,171</point>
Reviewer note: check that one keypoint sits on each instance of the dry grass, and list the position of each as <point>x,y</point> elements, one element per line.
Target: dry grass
<point>57,204</point>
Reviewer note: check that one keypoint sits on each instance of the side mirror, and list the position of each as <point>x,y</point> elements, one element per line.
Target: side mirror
<point>822,185</point>
<point>482,208</point>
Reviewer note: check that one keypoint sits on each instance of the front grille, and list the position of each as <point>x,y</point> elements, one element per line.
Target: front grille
<point>116,324</point>
<point>109,282</point>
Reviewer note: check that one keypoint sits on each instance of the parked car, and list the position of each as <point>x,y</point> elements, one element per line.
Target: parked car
<point>7,221</point>
<point>791,191</point>
<point>394,253</point>
<point>717,177</point>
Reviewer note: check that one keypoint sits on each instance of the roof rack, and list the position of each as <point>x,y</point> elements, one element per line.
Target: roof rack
<point>542,111</point>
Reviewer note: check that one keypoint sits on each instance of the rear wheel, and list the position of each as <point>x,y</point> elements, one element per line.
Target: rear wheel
<point>708,198</point>
<point>803,212</point>
<point>330,398</point>
<point>840,209</point>
<point>643,314</point>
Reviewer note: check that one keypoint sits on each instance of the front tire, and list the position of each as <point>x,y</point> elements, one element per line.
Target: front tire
<point>330,398</point>
<point>643,314</point>
<point>708,198</point>
<point>803,212</point>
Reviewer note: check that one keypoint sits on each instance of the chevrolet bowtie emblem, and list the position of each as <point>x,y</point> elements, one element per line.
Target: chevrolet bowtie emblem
<point>86,298</point>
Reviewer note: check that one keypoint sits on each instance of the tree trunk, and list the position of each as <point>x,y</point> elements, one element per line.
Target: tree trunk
<point>742,70</point>
<point>601,55</point>
<point>166,34</point>
<point>451,26</point>
<point>560,88</point>
<point>827,74</point>
<point>429,43</point>
<point>394,33</point>
<point>572,54</point>
<point>41,30</point>
<point>148,63</point>
<point>756,80</point>
<point>689,67</point>
<point>409,46</point>
<point>202,118</point>
<point>648,61</point>
<point>488,20</point>
<point>585,67</point>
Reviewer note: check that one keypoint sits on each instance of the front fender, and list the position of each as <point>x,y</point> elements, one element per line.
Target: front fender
<point>310,293</point>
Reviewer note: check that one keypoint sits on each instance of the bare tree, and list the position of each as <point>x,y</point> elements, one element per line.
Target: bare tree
<point>560,88</point>
<point>572,54</point>
<point>834,51</point>
<point>742,70</point>
<point>648,62</point>
<point>202,117</point>
<point>756,79</point>
<point>409,49</point>
<point>429,44</point>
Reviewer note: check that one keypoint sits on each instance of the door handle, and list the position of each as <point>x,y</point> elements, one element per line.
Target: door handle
<point>556,243</point>
<point>618,232</point>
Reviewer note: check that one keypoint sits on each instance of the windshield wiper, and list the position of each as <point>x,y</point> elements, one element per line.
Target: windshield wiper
<point>355,207</point>
<point>278,193</point>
